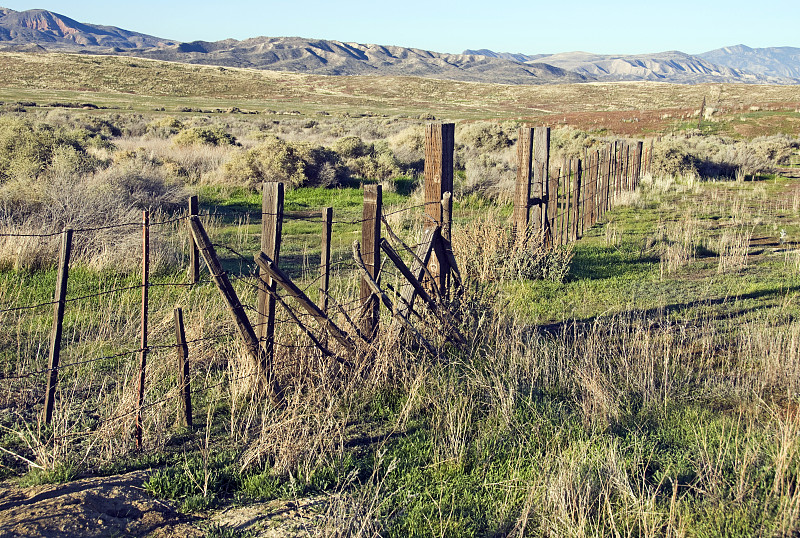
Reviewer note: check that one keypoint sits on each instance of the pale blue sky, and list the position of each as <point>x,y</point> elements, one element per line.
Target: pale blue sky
<point>531,27</point>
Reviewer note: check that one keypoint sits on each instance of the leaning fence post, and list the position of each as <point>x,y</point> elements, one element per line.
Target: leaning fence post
<point>194,253</point>
<point>371,239</point>
<point>58,322</point>
<point>637,172</point>
<point>522,192</point>
<point>143,341</point>
<point>184,417</point>
<point>439,147</point>
<point>271,228</point>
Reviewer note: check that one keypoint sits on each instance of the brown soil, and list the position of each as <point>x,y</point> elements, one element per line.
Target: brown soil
<point>109,506</point>
<point>119,506</point>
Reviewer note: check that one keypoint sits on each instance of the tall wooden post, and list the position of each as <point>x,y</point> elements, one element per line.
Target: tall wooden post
<point>58,322</point>
<point>271,229</point>
<point>541,166</point>
<point>576,200</point>
<point>552,209</point>
<point>371,254</point>
<point>325,259</point>
<point>618,147</point>
<point>143,341</point>
<point>522,194</point>
<point>637,170</point>
<point>570,190</point>
<point>194,253</point>
<point>184,388</point>
<point>439,147</point>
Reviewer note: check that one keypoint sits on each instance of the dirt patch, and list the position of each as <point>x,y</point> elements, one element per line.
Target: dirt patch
<point>119,506</point>
<point>109,506</point>
<point>275,519</point>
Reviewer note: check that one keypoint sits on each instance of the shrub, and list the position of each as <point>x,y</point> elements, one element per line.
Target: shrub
<point>213,136</point>
<point>275,159</point>
<point>165,127</point>
<point>27,149</point>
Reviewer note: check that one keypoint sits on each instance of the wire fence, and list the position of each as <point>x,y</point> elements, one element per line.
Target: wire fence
<point>297,331</point>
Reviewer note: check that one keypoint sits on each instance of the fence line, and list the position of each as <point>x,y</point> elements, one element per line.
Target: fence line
<point>564,204</point>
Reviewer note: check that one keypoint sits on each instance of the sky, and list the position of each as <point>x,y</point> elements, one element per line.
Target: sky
<point>529,27</point>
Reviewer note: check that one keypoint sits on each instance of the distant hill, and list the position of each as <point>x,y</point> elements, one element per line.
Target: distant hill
<point>324,57</point>
<point>39,30</point>
<point>51,30</point>
<point>781,62</point>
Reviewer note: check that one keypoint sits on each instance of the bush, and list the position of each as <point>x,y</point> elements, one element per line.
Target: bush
<point>213,136</point>
<point>165,127</point>
<point>277,160</point>
<point>28,149</point>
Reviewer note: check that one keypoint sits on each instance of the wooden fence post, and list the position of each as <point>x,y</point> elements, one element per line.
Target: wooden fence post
<point>576,200</point>
<point>229,296</point>
<point>568,218</point>
<point>618,166</point>
<point>194,254</point>
<point>184,388</point>
<point>637,170</point>
<point>650,156</point>
<point>552,209</point>
<point>325,259</point>
<point>143,341</point>
<point>371,239</point>
<point>439,148</point>
<point>541,166</point>
<point>522,194</point>
<point>58,323</point>
<point>271,229</point>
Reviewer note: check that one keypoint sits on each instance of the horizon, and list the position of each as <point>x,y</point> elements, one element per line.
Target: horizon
<point>349,22</point>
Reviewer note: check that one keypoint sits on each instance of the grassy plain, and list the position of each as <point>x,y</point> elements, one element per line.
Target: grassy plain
<point>651,392</point>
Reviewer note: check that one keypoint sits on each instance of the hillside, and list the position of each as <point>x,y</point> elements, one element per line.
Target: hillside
<point>39,30</point>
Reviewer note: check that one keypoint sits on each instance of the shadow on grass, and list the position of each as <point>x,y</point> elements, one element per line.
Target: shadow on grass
<point>659,313</point>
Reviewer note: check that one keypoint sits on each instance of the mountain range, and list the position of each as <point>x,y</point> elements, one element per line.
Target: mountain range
<point>41,31</point>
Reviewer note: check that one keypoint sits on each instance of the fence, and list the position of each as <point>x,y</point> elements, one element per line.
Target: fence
<point>554,203</point>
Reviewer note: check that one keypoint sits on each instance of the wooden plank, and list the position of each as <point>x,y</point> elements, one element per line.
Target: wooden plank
<point>58,324</point>
<point>271,230</point>
<point>371,237</point>
<point>391,253</point>
<point>378,292</point>
<point>184,388</point>
<point>522,190</point>
<point>418,266</point>
<point>308,305</point>
<point>439,148</point>
<point>229,295</point>
<point>540,185</point>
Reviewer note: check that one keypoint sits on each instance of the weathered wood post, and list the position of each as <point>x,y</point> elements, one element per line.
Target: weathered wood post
<point>541,166</point>
<point>371,254</point>
<point>522,193</point>
<point>230,297</point>
<point>194,254</point>
<point>325,259</point>
<point>143,336</point>
<point>271,229</point>
<point>618,147</point>
<point>184,388</point>
<point>637,168</point>
<point>552,209</point>
<point>570,190</point>
<point>576,200</point>
<point>439,148</point>
<point>60,298</point>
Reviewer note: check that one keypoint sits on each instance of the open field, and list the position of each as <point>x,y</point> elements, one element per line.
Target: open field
<point>648,387</point>
<point>621,108</point>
